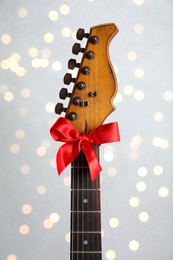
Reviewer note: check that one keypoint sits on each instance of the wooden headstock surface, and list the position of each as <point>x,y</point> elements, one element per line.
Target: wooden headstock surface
<point>95,86</point>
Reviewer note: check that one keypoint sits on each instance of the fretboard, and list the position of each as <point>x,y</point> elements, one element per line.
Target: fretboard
<point>85,212</point>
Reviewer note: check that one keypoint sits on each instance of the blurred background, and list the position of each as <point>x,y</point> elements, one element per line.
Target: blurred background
<point>137,178</point>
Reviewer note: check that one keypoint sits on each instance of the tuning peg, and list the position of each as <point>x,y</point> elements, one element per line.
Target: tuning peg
<point>68,78</point>
<point>72,64</point>
<point>77,48</point>
<point>64,93</point>
<point>81,34</point>
<point>59,108</point>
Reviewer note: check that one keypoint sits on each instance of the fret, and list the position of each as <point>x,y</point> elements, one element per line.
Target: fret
<point>76,232</point>
<point>84,189</point>
<point>85,200</point>
<point>86,256</point>
<point>79,167</point>
<point>92,252</point>
<point>85,221</point>
<point>86,242</point>
<point>82,211</point>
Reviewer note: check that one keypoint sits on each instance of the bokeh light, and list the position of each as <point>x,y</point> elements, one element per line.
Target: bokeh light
<point>41,189</point>
<point>53,15</point>
<point>133,245</point>
<point>134,202</point>
<point>110,255</point>
<point>64,9</point>
<point>24,229</point>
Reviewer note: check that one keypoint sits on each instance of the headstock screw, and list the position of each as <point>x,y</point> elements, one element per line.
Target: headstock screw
<point>90,55</point>
<point>85,70</point>
<point>77,100</point>
<point>72,116</point>
<point>94,39</point>
<point>81,85</point>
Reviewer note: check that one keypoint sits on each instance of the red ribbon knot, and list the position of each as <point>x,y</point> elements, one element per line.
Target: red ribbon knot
<point>63,131</point>
<point>84,138</point>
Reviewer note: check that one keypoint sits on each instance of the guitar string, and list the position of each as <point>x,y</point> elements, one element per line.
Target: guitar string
<point>71,207</point>
<point>77,191</point>
<point>98,185</point>
<point>80,176</point>
<point>75,198</point>
<point>72,214</point>
<point>97,181</point>
<point>90,195</point>
<point>75,206</point>
<point>72,203</point>
<point>85,173</point>
<point>81,179</point>
<point>88,172</point>
<point>97,146</point>
<point>97,57</point>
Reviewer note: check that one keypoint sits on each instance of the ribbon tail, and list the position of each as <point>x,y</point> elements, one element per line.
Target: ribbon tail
<point>65,155</point>
<point>92,160</point>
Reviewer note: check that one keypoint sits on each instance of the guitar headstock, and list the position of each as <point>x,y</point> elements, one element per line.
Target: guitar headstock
<point>95,86</point>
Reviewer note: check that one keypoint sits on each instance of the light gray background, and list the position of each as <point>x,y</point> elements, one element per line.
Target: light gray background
<point>137,172</point>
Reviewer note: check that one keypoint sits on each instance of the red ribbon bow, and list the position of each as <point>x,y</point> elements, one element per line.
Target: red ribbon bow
<point>63,131</point>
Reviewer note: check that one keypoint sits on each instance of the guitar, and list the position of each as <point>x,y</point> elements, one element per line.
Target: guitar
<point>91,101</point>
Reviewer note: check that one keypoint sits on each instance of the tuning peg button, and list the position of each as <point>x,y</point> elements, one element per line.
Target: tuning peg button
<point>59,108</point>
<point>68,78</point>
<point>77,48</point>
<point>64,93</point>
<point>72,64</point>
<point>81,34</point>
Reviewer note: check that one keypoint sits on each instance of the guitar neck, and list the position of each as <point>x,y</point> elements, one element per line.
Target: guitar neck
<point>85,211</point>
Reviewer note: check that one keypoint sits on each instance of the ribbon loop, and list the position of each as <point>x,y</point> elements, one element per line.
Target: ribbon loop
<point>63,131</point>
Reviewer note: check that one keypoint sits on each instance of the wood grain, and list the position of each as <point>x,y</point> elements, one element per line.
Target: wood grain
<point>102,79</point>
